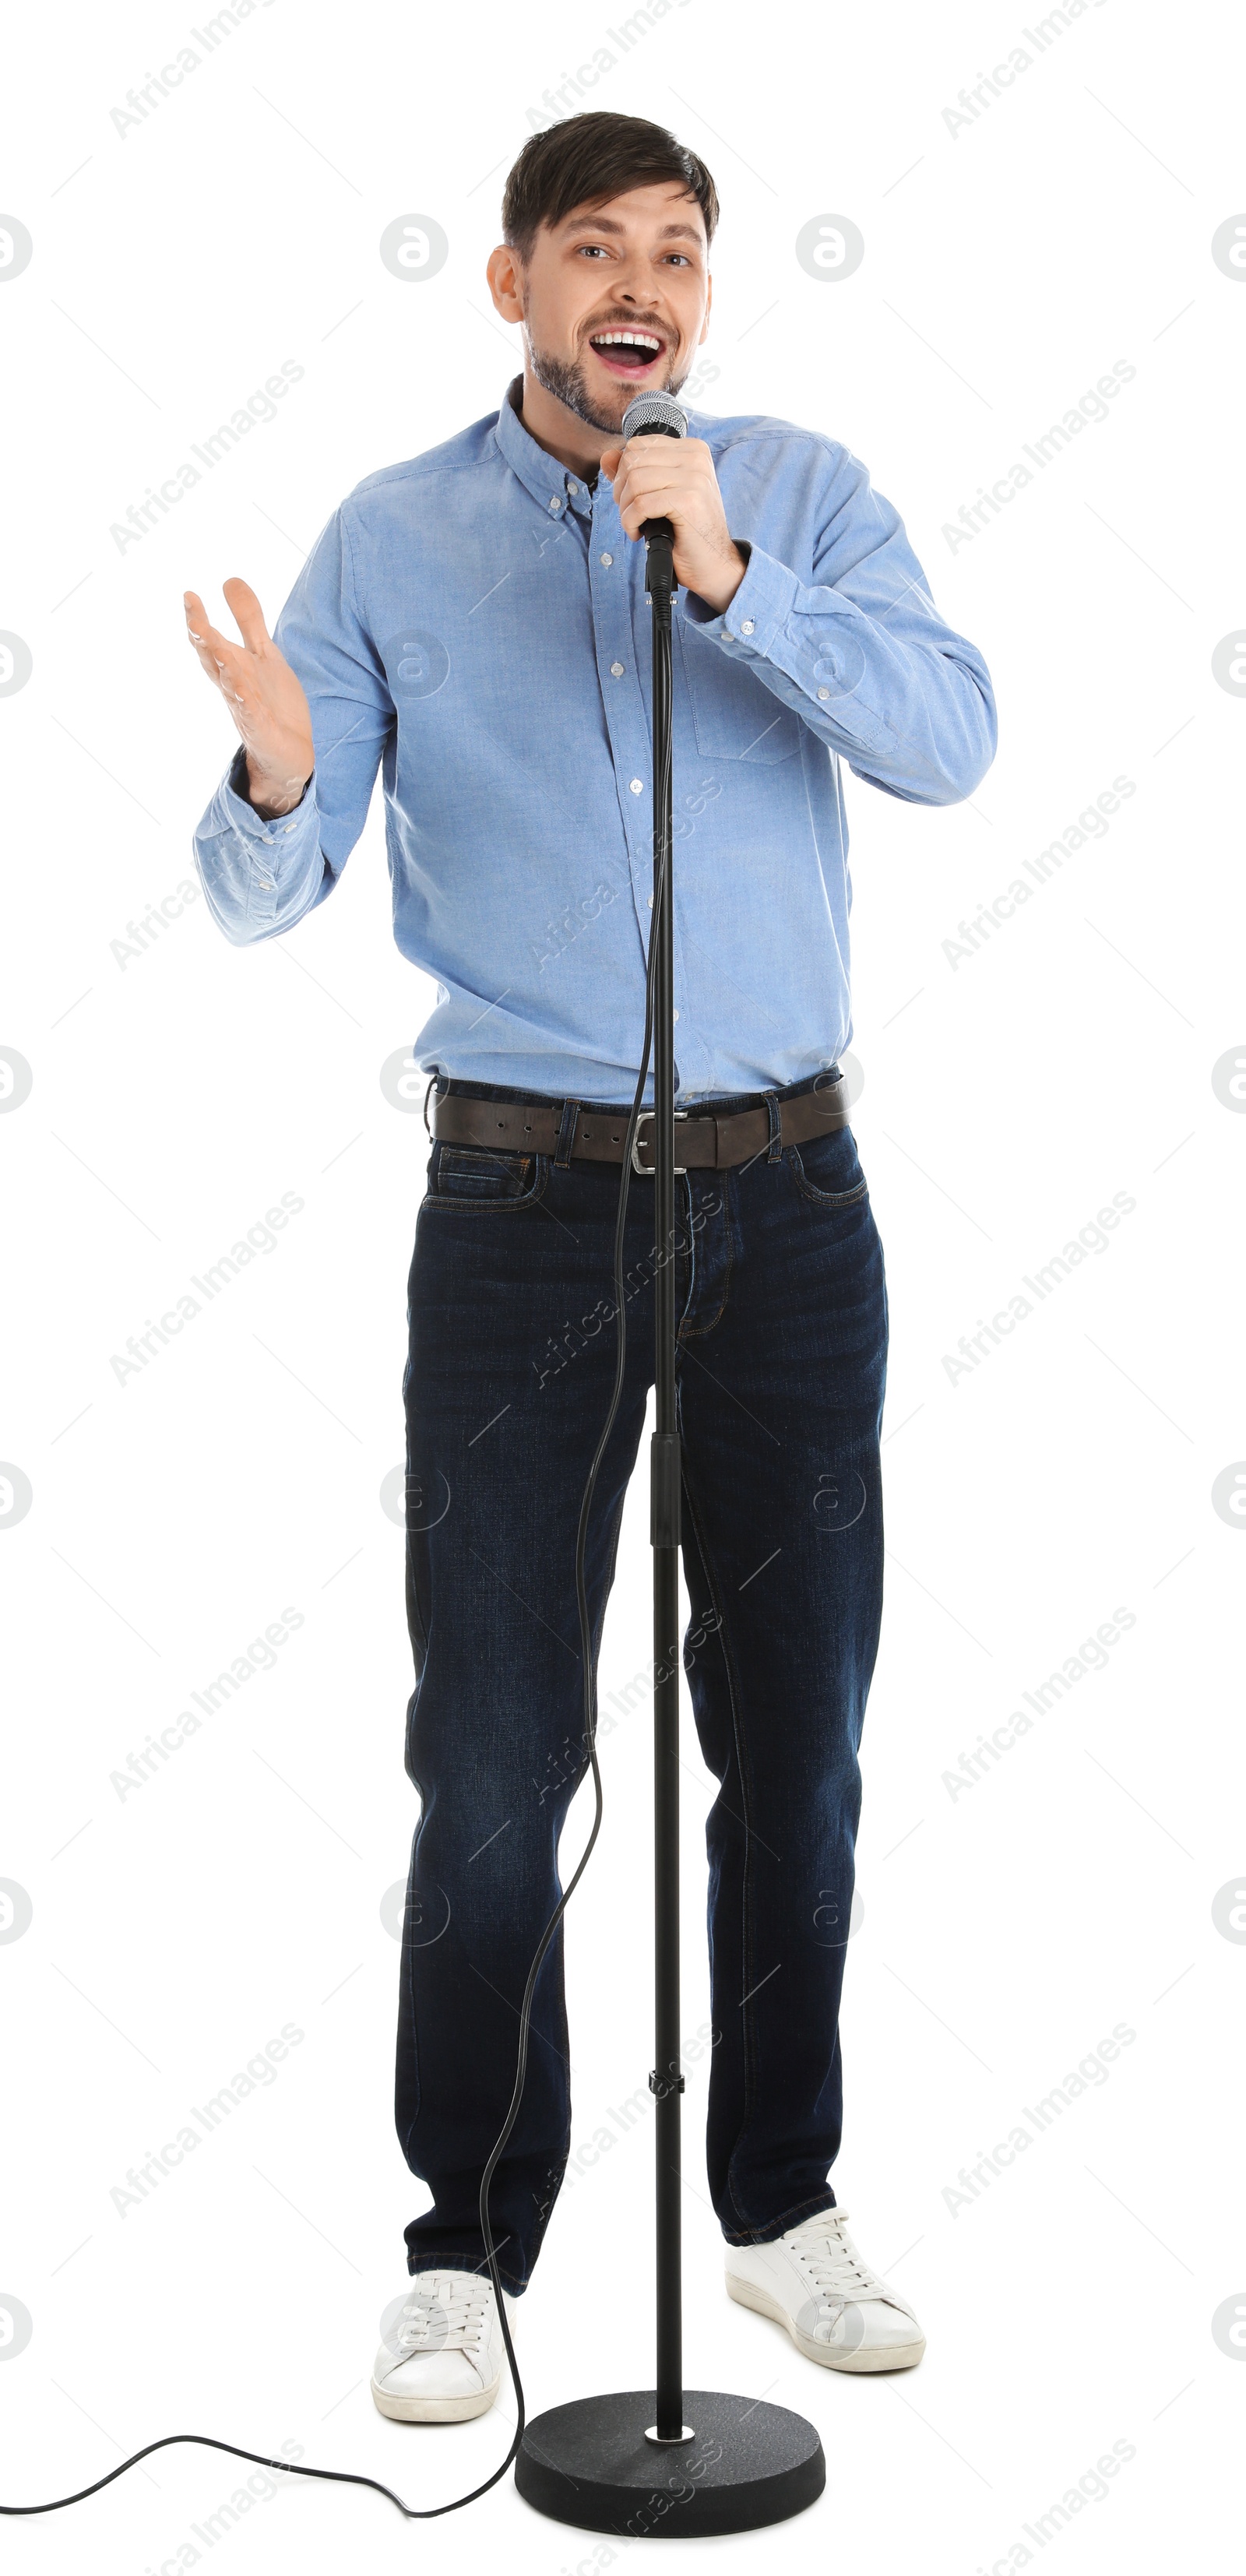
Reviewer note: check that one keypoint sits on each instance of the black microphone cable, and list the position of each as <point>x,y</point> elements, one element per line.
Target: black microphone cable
<point>354,2477</point>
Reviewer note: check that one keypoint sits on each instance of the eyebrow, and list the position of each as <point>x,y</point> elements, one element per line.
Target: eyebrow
<point>608,224</point>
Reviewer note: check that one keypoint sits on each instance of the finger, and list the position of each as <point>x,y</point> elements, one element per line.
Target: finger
<point>653,452</point>
<point>691,452</point>
<point>633,508</point>
<point>653,500</point>
<point>217,656</point>
<point>644,481</point>
<point>609,462</point>
<point>199,625</point>
<point>689,455</point>
<point>248,613</point>
<point>688,459</point>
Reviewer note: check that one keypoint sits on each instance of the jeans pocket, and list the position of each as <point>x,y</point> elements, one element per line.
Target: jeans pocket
<point>827,1169</point>
<point>473,1176</point>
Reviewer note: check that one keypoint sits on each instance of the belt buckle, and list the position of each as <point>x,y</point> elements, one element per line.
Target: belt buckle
<point>647,1170</point>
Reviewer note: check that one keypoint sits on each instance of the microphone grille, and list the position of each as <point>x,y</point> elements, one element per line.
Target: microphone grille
<point>655,413</point>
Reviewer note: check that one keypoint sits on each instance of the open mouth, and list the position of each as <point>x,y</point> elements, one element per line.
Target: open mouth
<point>628,353</point>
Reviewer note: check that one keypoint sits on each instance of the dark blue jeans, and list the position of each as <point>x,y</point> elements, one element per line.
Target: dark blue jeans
<point>781,1362</point>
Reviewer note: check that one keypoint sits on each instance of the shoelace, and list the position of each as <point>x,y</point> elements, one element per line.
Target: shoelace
<point>832,2261</point>
<point>447,2317</point>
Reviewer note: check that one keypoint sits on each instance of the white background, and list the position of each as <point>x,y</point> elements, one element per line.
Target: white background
<point>176,1096</point>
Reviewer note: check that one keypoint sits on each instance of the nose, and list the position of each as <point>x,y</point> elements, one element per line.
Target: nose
<point>634,285</point>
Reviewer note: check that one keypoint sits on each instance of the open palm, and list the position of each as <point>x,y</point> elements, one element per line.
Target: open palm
<point>263,695</point>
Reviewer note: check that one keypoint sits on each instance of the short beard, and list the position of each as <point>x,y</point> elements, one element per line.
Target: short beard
<point>566,383</point>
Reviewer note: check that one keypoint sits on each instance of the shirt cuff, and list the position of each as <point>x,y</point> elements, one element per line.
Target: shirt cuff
<point>750,621</point>
<point>271,845</point>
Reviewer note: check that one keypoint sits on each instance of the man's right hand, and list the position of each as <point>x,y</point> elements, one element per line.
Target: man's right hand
<point>265,699</point>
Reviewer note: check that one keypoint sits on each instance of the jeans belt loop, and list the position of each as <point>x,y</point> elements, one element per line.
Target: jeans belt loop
<point>566,1134</point>
<point>775,1154</point>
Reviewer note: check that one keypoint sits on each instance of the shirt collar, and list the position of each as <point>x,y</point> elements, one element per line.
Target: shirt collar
<point>552,484</point>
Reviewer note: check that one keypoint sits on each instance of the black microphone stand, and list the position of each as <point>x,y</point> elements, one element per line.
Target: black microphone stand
<point>628,2462</point>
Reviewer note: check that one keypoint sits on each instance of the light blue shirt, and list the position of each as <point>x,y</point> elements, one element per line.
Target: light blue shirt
<point>475,621</point>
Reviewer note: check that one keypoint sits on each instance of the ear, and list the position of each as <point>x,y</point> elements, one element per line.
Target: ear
<point>506,283</point>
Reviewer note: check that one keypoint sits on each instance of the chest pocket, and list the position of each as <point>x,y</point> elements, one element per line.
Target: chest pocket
<point>736,717</point>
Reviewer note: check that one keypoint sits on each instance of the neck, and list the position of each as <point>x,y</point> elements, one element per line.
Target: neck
<point>561,432</point>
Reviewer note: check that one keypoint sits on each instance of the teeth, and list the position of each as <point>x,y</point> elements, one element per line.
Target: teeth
<point>626,340</point>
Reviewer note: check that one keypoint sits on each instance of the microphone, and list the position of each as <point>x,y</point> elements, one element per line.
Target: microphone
<point>656,415</point>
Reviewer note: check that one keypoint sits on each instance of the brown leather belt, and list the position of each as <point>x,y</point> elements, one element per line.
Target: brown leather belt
<point>703,1141</point>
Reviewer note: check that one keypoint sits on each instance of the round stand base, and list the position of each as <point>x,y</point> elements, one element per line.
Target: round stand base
<point>748,2465</point>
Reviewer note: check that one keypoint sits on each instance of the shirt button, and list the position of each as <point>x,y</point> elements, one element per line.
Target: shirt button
<point>747,627</point>
<point>291,827</point>
<point>607,560</point>
<point>573,487</point>
<point>554,502</point>
<point>267,884</point>
<point>674,1015</point>
<point>637,786</point>
<point>616,669</point>
<point>824,693</point>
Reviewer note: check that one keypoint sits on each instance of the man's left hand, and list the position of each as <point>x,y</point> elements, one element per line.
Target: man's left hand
<point>674,478</point>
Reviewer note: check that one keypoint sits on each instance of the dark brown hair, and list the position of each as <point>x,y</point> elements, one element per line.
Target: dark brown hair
<point>587,159</point>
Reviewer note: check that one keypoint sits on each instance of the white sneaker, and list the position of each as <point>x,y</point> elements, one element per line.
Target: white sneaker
<point>837,2311</point>
<point>442,2354</point>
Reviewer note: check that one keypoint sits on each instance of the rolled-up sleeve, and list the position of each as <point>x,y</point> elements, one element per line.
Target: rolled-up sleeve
<point>861,654</point>
<point>261,876</point>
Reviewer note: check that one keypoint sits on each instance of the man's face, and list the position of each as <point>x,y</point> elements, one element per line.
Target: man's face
<point>614,300</point>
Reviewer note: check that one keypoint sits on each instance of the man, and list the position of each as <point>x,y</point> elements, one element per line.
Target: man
<point>474,621</point>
